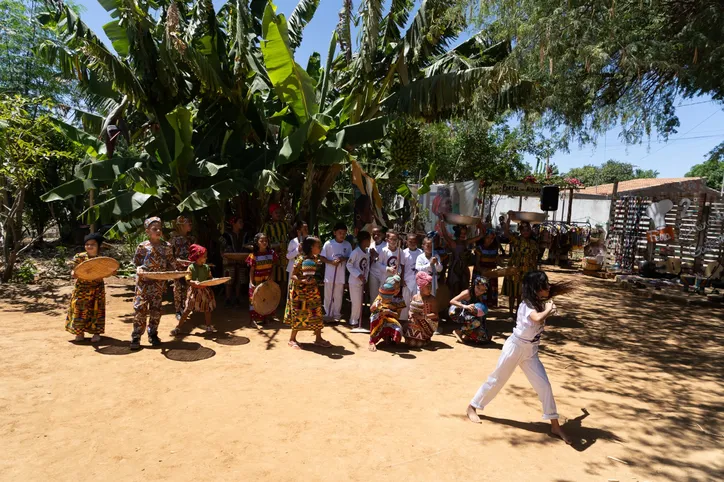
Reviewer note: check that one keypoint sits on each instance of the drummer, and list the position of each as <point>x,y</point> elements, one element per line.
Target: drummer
<point>232,241</point>
<point>277,232</point>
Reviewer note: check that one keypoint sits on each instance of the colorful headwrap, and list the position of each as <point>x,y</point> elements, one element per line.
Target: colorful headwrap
<point>309,267</point>
<point>391,286</point>
<point>182,220</point>
<point>480,280</point>
<point>489,231</point>
<point>273,207</point>
<point>196,251</point>
<point>423,279</point>
<point>97,237</point>
<point>150,221</point>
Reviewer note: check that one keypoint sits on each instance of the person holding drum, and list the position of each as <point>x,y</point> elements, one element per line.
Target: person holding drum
<point>232,242</point>
<point>277,231</point>
<point>261,263</point>
<point>87,311</point>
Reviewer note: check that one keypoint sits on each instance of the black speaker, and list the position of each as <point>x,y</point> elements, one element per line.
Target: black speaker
<point>549,198</point>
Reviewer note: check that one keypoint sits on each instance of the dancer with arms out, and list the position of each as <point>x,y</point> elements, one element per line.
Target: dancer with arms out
<point>521,349</point>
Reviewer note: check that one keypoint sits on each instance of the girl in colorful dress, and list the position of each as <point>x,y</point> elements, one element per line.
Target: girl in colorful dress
<point>469,309</point>
<point>423,313</point>
<point>521,349</point>
<point>87,312</point>
<point>385,313</point>
<point>198,298</point>
<point>151,256</point>
<point>261,264</point>
<point>180,243</point>
<point>523,257</point>
<point>488,259</point>
<point>305,302</point>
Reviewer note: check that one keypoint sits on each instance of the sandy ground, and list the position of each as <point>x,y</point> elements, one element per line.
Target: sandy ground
<point>638,383</point>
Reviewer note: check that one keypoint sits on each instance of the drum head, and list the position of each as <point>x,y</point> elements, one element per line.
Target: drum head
<point>266,298</point>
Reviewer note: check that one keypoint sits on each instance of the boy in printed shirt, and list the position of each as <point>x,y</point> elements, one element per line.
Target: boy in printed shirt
<point>335,252</point>
<point>409,271</point>
<point>358,267</point>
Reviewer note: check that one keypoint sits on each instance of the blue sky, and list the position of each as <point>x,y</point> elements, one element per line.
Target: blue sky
<point>702,120</point>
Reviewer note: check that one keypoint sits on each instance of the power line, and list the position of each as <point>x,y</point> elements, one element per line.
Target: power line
<point>696,103</point>
<point>665,146</point>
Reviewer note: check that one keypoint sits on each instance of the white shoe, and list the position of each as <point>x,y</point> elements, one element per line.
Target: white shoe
<point>354,323</point>
<point>96,338</point>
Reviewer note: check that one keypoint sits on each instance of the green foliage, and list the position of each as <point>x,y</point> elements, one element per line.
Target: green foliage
<point>60,260</point>
<point>26,272</point>
<point>712,169</point>
<point>609,172</point>
<point>603,63</point>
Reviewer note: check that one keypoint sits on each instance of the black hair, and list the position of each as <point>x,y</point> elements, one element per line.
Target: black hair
<point>476,280</point>
<point>298,226</point>
<point>308,244</point>
<point>411,234</point>
<point>257,237</point>
<point>390,231</point>
<point>363,236</point>
<point>533,282</point>
<point>340,225</point>
<point>97,237</point>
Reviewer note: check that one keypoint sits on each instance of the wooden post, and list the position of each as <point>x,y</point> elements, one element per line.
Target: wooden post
<point>520,203</point>
<point>570,205</point>
<point>612,207</point>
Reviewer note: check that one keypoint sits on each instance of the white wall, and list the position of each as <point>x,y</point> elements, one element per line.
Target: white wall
<point>595,211</point>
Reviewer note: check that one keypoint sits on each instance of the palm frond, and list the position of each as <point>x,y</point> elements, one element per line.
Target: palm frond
<point>344,30</point>
<point>300,17</point>
<point>371,12</point>
<point>395,20</point>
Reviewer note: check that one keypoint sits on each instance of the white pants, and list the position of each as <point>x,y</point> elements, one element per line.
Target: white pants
<point>407,293</point>
<point>356,294</point>
<point>333,307</point>
<point>374,289</point>
<point>518,353</point>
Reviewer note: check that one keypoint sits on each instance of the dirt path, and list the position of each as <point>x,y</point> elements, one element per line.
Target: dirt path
<point>650,375</point>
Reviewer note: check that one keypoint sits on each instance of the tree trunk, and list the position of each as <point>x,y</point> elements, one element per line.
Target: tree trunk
<point>13,234</point>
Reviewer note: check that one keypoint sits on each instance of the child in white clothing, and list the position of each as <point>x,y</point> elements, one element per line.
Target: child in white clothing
<point>377,271</point>
<point>358,267</point>
<point>521,349</point>
<point>409,272</point>
<point>335,253</point>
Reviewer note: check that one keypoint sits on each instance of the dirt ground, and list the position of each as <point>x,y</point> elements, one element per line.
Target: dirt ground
<point>639,384</point>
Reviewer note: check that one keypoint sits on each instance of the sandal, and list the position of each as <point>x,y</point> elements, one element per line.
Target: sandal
<point>294,345</point>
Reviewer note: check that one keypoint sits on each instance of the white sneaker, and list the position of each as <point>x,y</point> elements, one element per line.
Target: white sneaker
<point>96,338</point>
<point>354,323</point>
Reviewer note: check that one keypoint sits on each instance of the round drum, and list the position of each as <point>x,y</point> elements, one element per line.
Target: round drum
<point>266,298</point>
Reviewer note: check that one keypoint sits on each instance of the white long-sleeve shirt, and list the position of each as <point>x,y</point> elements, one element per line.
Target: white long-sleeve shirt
<point>388,259</point>
<point>333,250</point>
<point>409,261</point>
<point>292,253</point>
<point>358,264</point>
<point>377,270</point>
<point>423,264</point>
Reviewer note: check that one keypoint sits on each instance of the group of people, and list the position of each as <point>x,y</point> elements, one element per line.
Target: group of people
<point>400,284</point>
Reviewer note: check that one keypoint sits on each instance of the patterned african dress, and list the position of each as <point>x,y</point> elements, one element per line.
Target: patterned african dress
<point>423,318</point>
<point>87,312</point>
<point>489,260</point>
<point>278,233</point>
<point>260,270</point>
<point>524,256</point>
<point>149,293</point>
<point>474,328</point>
<point>199,299</point>
<point>180,245</point>
<point>385,318</point>
<point>305,302</point>
<point>458,277</point>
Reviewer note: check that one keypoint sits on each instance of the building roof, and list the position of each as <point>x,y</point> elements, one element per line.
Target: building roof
<point>671,184</point>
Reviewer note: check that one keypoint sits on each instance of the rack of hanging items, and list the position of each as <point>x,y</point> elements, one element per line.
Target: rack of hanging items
<point>561,238</point>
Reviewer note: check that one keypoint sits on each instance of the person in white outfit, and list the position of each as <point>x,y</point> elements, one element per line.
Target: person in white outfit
<point>335,253</point>
<point>409,271</point>
<point>293,248</point>
<point>521,349</point>
<point>377,272</point>
<point>358,266</point>
<point>427,261</point>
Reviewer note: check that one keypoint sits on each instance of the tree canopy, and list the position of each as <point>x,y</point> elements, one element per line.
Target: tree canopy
<point>609,172</point>
<point>712,169</point>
